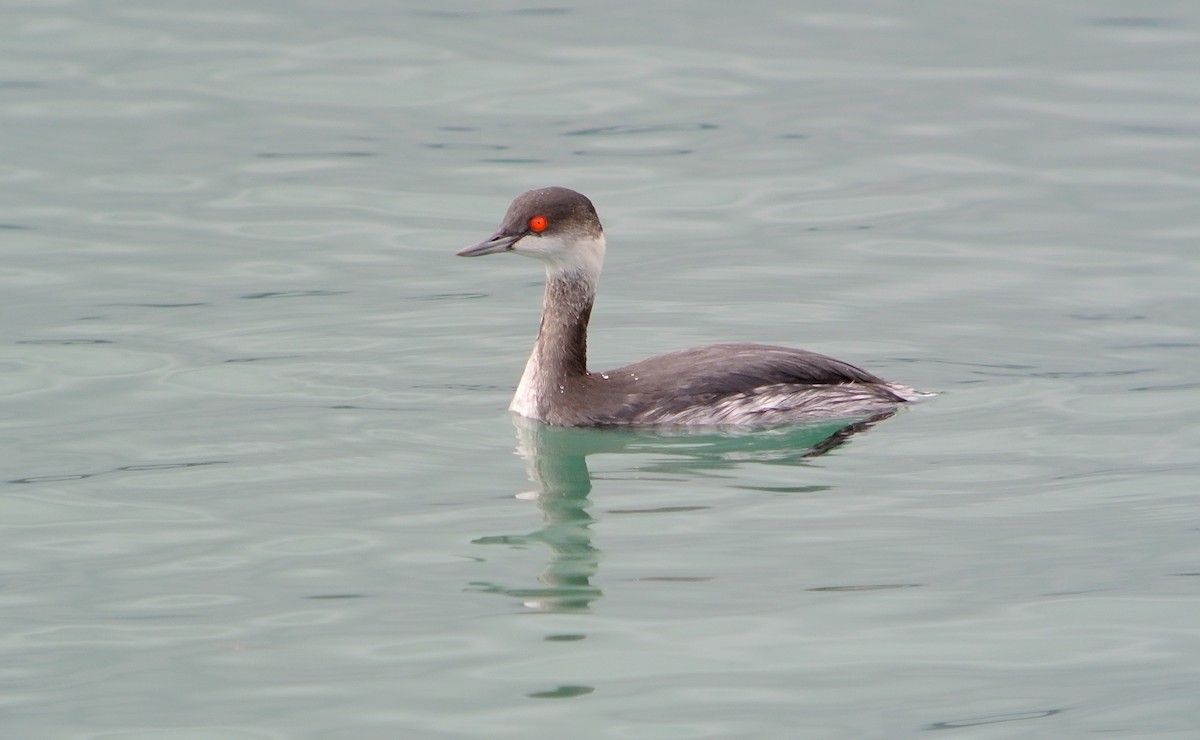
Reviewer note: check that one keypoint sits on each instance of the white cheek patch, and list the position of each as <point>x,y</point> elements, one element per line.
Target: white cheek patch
<point>583,254</point>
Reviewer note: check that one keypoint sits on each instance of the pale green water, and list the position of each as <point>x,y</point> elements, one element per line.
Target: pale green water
<point>259,480</point>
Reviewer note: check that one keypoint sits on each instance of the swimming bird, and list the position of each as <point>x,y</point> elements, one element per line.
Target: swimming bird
<point>720,384</point>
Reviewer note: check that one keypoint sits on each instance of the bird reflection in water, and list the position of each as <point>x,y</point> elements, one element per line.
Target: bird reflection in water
<point>556,462</point>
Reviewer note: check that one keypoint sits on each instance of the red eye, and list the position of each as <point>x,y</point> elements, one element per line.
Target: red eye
<point>538,224</point>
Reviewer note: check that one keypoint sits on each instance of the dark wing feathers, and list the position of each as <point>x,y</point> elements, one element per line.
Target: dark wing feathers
<point>739,367</point>
<point>705,374</point>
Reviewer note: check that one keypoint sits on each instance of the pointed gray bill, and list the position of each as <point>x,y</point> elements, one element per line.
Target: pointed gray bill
<point>498,242</point>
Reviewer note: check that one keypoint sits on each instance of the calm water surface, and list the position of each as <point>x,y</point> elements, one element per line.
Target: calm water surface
<point>258,477</point>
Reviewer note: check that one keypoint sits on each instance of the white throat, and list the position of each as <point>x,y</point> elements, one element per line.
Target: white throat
<point>565,254</point>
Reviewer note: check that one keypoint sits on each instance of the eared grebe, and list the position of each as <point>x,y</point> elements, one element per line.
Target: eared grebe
<point>738,384</point>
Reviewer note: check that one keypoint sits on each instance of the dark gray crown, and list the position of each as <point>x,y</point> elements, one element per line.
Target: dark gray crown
<point>565,211</point>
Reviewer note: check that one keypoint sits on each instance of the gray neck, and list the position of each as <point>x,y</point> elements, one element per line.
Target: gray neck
<point>561,346</point>
<point>559,358</point>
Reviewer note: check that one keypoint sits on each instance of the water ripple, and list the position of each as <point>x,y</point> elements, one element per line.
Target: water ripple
<point>255,410</point>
